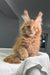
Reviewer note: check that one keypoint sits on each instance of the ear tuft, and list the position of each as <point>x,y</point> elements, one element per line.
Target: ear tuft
<point>40,14</point>
<point>39,18</point>
<point>26,12</point>
<point>26,16</point>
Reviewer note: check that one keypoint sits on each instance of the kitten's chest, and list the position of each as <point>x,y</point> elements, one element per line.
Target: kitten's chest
<point>29,43</point>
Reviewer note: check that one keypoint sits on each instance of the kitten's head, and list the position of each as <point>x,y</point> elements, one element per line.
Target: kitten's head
<point>31,27</point>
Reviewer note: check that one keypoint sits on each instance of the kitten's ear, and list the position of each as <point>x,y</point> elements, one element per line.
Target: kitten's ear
<point>26,16</point>
<point>39,18</point>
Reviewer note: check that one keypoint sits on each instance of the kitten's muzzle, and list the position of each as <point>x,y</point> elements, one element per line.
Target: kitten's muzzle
<point>31,32</point>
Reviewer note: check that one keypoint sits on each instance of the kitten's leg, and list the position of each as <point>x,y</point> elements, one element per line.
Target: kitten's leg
<point>23,54</point>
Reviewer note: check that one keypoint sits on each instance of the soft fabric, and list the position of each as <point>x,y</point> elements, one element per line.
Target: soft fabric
<point>6,68</point>
<point>40,62</point>
<point>34,71</point>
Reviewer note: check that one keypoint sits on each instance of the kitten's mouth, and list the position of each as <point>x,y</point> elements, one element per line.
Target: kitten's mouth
<point>32,34</point>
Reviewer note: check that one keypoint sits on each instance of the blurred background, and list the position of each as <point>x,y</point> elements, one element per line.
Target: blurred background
<point>10,20</point>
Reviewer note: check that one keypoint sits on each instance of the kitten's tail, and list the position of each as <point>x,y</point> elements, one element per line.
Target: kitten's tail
<point>12,59</point>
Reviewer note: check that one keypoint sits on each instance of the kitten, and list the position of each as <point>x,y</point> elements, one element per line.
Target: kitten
<point>28,43</point>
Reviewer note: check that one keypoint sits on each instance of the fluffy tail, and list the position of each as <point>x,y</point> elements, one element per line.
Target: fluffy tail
<point>12,59</point>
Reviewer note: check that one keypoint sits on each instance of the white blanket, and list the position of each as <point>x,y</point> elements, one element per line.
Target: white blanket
<point>6,68</point>
<point>41,62</point>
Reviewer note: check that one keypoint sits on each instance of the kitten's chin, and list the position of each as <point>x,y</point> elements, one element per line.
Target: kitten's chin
<point>31,35</point>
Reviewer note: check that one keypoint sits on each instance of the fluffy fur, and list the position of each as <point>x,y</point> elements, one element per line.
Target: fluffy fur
<point>28,43</point>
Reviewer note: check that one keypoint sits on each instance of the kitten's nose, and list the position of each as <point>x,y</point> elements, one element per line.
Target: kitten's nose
<point>31,31</point>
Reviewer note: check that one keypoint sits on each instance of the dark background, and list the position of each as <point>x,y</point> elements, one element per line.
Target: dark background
<point>10,19</point>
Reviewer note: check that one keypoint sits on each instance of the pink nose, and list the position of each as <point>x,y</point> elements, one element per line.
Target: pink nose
<point>31,31</point>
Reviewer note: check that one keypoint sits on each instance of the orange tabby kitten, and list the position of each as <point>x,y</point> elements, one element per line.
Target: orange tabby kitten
<point>28,43</point>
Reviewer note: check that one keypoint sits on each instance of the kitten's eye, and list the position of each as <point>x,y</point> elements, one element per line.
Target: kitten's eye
<point>28,27</point>
<point>34,27</point>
